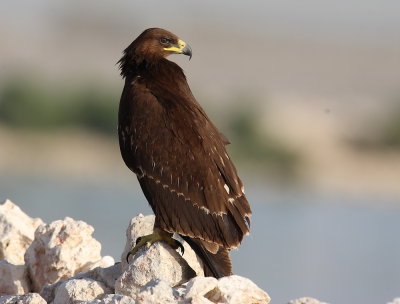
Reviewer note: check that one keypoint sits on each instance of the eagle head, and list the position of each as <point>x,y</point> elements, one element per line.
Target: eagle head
<point>154,44</point>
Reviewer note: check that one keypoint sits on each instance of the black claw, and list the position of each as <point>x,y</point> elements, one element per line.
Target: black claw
<point>180,246</point>
<point>127,256</point>
<point>138,239</point>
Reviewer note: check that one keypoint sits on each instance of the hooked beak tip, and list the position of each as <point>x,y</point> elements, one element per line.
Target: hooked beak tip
<point>187,51</point>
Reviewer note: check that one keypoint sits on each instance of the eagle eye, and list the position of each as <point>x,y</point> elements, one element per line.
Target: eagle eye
<point>164,40</point>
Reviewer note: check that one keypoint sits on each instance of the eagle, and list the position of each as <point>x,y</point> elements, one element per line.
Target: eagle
<point>178,155</point>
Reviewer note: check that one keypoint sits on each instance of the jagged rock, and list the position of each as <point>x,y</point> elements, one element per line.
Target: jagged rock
<point>232,290</point>
<point>72,291</point>
<point>60,250</point>
<point>394,301</point>
<point>156,291</point>
<point>106,276</point>
<point>139,226</point>
<point>13,279</point>
<point>48,292</point>
<point>106,261</point>
<point>112,299</point>
<point>29,298</point>
<point>159,261</point>
<point>199,300</point>
<point>236,289</point>
<point>306,300</point>
<point>198,287</point>
<point>64,253</point>
<point>16,232</point>
<point>143,225</point>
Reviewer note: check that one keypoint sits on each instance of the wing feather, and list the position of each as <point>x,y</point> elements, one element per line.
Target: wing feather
<point>182,166</point>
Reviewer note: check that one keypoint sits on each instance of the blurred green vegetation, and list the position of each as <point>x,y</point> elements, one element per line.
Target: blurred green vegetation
<point>258,150</point>
<point>26,105</point>
<point>390,132</point>
<point>383,134</point>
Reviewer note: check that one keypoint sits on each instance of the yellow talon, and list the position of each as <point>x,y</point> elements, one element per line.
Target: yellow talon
<point>156,236</point>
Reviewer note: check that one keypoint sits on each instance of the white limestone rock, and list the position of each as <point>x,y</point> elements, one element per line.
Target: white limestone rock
<point>106,276</point>
<point>61,250</point>
<point>104,262</point>
<point>199,300</point>
<point>13,279</point>
<point>231,290</point>
<point>198,287</point>
<point>156,291</point>
<point>16,232</point>
<point>394,301</point>
<point>159,261</point>
<point>29,298</point>
<point>143,225</point>
<point>306,300</point>
<point>72,291</point>
<point>48,292</point>
<point>112,299</point>
<point>236,289</point>
<point>139,226</point>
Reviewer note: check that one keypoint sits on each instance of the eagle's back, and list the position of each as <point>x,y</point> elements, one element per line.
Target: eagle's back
<point>180,159</point>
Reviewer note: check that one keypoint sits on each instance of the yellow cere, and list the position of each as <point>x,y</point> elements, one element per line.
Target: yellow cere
<point>181,46</point>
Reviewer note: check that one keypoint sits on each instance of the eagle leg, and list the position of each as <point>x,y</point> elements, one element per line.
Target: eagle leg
<point>156,236</point>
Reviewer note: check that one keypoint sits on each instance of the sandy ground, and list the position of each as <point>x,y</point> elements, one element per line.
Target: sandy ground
<point>329,162</point>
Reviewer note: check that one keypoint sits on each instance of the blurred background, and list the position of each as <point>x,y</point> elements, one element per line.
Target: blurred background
<point>307,91</point>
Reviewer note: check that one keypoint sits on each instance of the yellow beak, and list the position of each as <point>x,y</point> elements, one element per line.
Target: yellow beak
<point>181,48</point>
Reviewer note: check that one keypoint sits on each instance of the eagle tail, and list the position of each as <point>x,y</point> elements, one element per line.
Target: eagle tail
<point>217,264</point>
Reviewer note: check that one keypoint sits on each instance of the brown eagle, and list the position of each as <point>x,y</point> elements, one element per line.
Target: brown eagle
<point>178,155</point>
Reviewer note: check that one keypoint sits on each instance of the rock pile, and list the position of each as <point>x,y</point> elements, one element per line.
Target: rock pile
<point>16,234</point>
<point>61,262</point>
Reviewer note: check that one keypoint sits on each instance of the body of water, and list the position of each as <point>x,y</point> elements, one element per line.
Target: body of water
<point>338,249</point>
